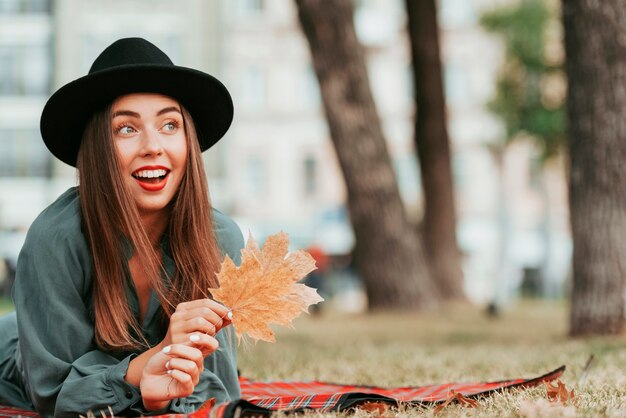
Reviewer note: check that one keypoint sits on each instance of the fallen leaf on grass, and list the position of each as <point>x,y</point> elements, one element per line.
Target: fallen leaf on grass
<point>264,289</point>
<point>379,408</point>
<point>455,396</point>
<point>558,393</point>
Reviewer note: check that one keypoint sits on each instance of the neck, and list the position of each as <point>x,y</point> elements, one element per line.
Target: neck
<point>154,224</point>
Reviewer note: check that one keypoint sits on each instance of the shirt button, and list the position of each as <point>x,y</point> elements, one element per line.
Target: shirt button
<point>129,395</point>
<point>178,402</point>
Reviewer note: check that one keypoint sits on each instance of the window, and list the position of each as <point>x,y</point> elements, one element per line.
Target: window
<point>253,85</point>
<point>23,153</point>
<point>25,69</point>
<point>310,176</point>
<point>9,70</point>
<point>37,6</point>
<point>249,7</point>
<point>10,6</point>
<point>25,6</point>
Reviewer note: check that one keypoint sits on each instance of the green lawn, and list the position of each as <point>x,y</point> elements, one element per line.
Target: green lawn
<point>461,344</point>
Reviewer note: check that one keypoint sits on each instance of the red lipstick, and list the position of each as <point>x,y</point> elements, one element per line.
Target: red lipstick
<point>151,184</point>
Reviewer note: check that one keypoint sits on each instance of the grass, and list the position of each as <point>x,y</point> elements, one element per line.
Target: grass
<point>462,344</point>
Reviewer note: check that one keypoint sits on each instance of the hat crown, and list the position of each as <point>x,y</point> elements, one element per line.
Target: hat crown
<point>129,51</point>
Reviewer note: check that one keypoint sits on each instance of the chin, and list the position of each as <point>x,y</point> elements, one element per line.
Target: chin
<point>153,205</point>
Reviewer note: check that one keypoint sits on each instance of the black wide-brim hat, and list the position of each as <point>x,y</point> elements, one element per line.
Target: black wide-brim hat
<point>133,65</point>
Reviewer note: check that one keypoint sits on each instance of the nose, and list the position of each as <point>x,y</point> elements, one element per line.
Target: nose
<point>151,144</point>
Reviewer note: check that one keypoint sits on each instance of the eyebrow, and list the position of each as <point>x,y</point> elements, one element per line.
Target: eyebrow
<point>138,116</point>
<point>167,110</point>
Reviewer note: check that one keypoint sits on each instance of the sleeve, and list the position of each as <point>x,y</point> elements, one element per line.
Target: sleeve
<point>63,372</point>
<point>219,379</point>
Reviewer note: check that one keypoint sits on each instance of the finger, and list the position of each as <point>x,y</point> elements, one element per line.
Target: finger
<point>182,329</point>
<point>225,313</point>
<point>192,304</point>
<point>184,351</point>
<point>190,352</point>
<point>185,382</point>
<point>187,366</point>
<point>204,342</point>
<point>228,319</point>
<point>204,320</point>
<point>217,307</point>
<point>219,318</point>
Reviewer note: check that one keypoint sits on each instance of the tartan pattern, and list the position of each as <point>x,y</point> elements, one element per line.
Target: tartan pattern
<point>261,398</point>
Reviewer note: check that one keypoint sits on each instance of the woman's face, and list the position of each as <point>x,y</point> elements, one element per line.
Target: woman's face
<point>151,145</point>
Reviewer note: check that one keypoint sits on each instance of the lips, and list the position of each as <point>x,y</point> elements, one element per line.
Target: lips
<point>152,178</point>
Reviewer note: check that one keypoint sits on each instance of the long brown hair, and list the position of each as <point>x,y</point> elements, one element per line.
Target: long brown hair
<point>109,215</point>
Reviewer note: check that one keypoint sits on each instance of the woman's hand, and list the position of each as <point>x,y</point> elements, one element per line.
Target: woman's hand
<point>193,321</point>
<point>173,373</point>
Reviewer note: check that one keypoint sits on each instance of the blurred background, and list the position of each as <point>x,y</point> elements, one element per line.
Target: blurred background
<point>276,169</point>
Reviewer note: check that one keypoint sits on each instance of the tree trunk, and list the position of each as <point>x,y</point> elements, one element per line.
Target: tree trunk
<point>388,255</point>
<point>433,149</point>
<point>596,105</point>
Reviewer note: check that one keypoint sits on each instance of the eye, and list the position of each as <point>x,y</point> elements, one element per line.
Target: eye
<point>171,126</point>
<point>125,130</point>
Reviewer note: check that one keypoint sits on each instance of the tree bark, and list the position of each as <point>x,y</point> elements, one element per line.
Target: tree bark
<point>596,105</point>
<point>433,149</point>
<point>388,255</point>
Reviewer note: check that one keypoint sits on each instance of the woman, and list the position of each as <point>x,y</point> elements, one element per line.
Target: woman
<point>111,285</point>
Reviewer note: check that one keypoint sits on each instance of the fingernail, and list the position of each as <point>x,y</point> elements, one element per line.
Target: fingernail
<point>229,315</point>
<point>167,365</point>
<point>167,349</point>
<point>169,371</point>
<point>194,337</point>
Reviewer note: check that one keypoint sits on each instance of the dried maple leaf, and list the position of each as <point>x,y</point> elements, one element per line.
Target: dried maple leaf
<point>455,396</point>
<point>558,393</point>
<point>378,408</point>
<point>263,290</point>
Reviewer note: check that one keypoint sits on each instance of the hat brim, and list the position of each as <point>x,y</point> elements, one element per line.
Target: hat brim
<point>69,109</point>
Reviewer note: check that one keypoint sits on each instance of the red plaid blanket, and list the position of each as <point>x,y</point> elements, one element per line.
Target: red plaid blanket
<point>261,398</point>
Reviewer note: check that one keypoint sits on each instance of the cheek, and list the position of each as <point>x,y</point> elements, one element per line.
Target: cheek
<point>180,153</point>
<point>124,153</point>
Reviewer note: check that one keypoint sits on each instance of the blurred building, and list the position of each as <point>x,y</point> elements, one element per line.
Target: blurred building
<point>513,216</point>
<point>276,169</point>
<point>513,223</point>
<point>282,170</point>
<point>26,63</point>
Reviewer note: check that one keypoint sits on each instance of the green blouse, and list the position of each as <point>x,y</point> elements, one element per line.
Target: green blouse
<point>57,364</point>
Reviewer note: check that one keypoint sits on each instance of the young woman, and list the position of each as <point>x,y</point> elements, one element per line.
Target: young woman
<point>111,299</point>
